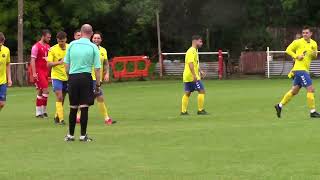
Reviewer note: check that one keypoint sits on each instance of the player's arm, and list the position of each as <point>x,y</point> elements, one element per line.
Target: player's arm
<point>190,56</point>
<point>9,81</point>
<point>291,51</point>
<point>50,62</point>
<point>34,54</point>
<point>107,69</point>
<point>315,51</point>
<point>191,66</point>
<point>97,65</point>
<point>67,60</point>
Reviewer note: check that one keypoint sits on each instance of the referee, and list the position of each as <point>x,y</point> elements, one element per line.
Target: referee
<point>81,56</point>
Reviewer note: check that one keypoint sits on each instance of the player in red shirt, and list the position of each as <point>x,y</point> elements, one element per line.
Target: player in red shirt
<point>40,72</point>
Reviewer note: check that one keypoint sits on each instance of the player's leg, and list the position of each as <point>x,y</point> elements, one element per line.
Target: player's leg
<point>58,89</point>
<point>74,94</point>
<point>3,95</point>
<point>286,98</point>
<point>201,95</point>
<point>297,84</point>
<point>188,89</point>
<point>45,96</point>
<point>39,113</point>
<point>86,99</point>
<point>104,110</point>
<point>310,96</point>
<point>43,85</point>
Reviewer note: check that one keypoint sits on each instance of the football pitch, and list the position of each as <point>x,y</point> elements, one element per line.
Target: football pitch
<point>240,139</point>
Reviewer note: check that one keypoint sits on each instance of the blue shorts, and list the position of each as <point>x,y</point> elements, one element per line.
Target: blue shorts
<point>193,86</point>
<point>3,92</point>
<point>94,86</point>
<point>302,79</point>
<point>59,85</point>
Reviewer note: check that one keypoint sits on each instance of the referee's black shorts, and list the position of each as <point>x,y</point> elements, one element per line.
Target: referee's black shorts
<point>80,88</point>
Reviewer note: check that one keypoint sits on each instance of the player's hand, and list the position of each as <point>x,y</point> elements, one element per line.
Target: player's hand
<point>60,62</point>
<point>35,76</point>
<point>9,83</point>
<point>195,79</point>
<point>203,74</point>
<point>97,89</point>
<point>315,53</point>
<point>107,78</point>
<point>45,58</point>
<point>300,57</point>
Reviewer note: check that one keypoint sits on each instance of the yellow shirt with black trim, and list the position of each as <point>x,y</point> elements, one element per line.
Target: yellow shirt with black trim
<point>4,60</point>
<point>302,47</point>
<point>56,53</point>
<point>192,56</point>
<point>103,59</point>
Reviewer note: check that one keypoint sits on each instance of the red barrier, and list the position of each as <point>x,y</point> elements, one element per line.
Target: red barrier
<point>220,70</point>
<point>124,73</point>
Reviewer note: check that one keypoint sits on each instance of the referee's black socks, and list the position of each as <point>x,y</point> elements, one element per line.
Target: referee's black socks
<point>72,120</point>
<point>84,120</point>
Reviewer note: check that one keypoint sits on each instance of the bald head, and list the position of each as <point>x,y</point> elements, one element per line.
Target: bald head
<point>86,31</point>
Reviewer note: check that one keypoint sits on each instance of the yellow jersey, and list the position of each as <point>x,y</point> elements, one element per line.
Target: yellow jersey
<point>103,59</point>
<point>56,53</point>
<point>302,47</point>
<point>4,60</point>
<point>192,56</point>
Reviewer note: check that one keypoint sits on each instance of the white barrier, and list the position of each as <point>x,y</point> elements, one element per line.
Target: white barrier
<point>269,58</point>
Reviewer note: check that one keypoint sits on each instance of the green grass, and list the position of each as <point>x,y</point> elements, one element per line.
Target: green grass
<point>241,139</point>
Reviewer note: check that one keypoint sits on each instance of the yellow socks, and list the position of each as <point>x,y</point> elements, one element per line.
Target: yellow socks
<point>59,109</point>
<point>200,102</point>
<point>103,109</point>
<point>286,98</point>
<point>311,101</point>
<point>185,102</point>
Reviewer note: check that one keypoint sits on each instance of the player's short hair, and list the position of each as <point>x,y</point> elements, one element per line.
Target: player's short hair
<point>98,32</point>
<point>306,28</point>
<point>61,35</point>
<point>2,37</point>
<point>45,32</point>
<point>77,31</point>
<point>196,37</point>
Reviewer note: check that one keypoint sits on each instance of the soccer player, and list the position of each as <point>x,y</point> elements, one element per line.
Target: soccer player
<point>40,71</point>
<point>5,73</point>
<point>97,39</point>
<point>77,34</point>
<point>303,51</point>
<point>81,56</point>
<point>192,77</point>
<point>58,74</point>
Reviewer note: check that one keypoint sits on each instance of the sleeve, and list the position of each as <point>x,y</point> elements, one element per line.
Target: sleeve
<point>67,57</point>
<point>50,55</point>
<point>315,48</point>
<point>96,58</point>
<point>190,56</point>
<point>8,57</point>
<point>106,57</point>
<point>291,49</point>
<point>34,51</point>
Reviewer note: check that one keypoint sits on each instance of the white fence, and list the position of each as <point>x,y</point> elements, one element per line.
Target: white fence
<point>282,68</point>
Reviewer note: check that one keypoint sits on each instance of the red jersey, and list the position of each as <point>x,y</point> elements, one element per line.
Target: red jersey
<point>40,53</point>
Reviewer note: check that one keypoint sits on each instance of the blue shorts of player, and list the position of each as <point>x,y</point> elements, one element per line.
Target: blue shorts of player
<point>59,85</point>
<point>302,79</point>
<point>193,86</point>
<point>3,92</point>
<point>94,86</point>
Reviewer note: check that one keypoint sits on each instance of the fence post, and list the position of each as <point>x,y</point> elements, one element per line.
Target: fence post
<point>268,62</point>
<point>220,69</point>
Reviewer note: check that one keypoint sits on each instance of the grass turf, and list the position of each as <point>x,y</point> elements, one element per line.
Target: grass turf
<point>241,139</point>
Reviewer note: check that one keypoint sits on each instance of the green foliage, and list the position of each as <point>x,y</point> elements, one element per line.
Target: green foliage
<point>129,26</point>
